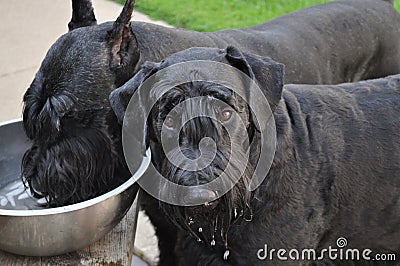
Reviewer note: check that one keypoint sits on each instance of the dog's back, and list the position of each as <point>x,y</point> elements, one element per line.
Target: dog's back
<point>340,41</point>
<point>347,137</point>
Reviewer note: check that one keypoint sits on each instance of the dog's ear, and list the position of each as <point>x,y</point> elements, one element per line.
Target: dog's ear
<point>121,97</point>
<point>82,14</point>
<point>266,73</point>
<point>268,76</point>
<point>121,39</point>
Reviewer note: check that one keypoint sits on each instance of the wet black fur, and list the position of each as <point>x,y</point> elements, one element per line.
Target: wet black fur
<point>336,170</point>
<point>76,152</point>
<point>189,138</point>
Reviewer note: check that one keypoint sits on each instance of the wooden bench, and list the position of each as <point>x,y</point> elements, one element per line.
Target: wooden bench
<point>114,249</point>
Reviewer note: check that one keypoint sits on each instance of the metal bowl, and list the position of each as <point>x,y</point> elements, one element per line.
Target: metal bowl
<point>55,231</point>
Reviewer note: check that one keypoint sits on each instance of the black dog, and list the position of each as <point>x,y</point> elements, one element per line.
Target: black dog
<point>335,173</point>
<point>76,152</point>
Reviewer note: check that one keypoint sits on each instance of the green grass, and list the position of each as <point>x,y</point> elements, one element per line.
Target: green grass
<point>211,15</point>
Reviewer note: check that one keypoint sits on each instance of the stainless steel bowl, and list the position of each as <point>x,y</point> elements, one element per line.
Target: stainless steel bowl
<point>55,231</point>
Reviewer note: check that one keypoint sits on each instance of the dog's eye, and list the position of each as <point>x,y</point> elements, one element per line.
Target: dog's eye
<point>225,115</point>
<point>169,121</point>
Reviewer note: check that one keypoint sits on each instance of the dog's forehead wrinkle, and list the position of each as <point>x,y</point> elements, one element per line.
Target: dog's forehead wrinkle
<point>197,74</point>
<point>165,88</point>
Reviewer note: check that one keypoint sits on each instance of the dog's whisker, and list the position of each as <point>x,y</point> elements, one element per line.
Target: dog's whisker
<point>189,228</point>
<point>213,230</point>
<point>224,236</point>
<point>193,233</point>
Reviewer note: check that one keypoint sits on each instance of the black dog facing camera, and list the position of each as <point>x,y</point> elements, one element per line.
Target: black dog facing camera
<point>335,172</point>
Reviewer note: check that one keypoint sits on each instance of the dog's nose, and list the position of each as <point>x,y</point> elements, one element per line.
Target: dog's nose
<point>200,195</point>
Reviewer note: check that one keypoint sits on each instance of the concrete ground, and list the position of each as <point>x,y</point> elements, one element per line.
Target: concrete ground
<point>28,28</point>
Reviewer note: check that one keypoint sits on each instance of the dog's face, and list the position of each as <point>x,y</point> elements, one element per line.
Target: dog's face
<point>195,115</point>
<point>67,114</point>
<point>222,112</point>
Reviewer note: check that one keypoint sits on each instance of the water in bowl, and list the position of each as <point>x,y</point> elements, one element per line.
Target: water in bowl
<point>14,196</point>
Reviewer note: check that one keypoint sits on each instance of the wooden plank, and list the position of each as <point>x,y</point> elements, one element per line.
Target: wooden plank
<point>114,249</point>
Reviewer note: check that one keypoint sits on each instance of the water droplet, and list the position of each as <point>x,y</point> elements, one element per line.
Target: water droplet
<point>200,229</point>
<point>17,185</point>
<point>15,192</point>
<point>213,242</point>
<point>3,201</point>
<point>23,196</point>
<point>11,200</point>
<point>226,254</point>
<point>42,201</point>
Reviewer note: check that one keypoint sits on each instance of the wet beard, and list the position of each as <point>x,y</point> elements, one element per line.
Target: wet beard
<point>210,223</point>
